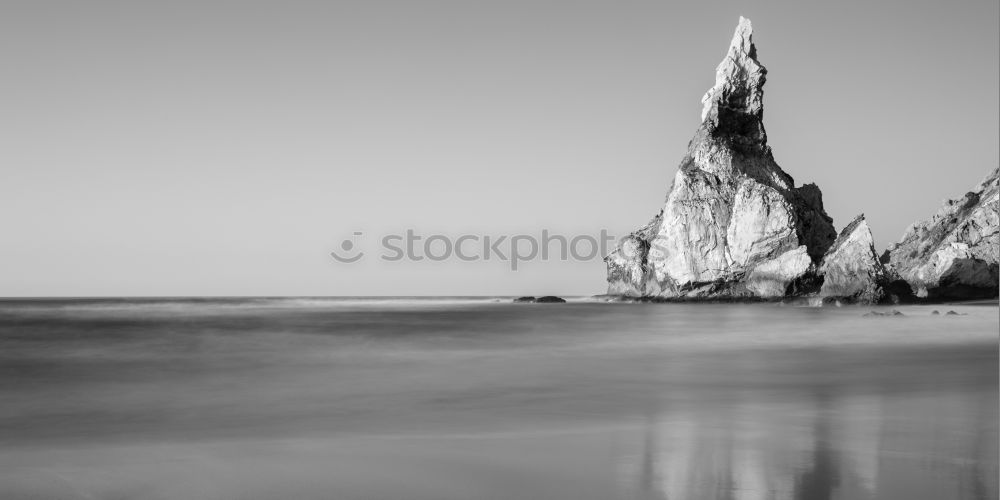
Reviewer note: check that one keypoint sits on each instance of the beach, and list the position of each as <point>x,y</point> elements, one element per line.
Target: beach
<point>476,397</point>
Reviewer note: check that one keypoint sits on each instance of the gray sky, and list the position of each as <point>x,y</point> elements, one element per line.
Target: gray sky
<point>225,148</point>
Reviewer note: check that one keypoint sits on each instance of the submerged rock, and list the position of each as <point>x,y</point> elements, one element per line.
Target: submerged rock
<point>954,254</point>
<point>877,313</point>
<point>734,224</point>
<point>548,299</point>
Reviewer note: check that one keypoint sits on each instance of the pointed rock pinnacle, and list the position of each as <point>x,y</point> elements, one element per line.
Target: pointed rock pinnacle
<point>739,79</point>
<point>733,223</point>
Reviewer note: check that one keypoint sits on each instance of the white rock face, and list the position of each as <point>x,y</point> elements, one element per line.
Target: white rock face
<point>731,209</point>
<point>629,273</point>
<point>771,278</point>
<point>851,268</point>
<point>955,253</point>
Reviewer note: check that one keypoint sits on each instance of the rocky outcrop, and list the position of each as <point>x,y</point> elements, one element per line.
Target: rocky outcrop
<point>954,254</point>
<point>629,270</point>
<point>734,224</point>
<point>772,278</point>
<point>851,269</point>
<point>548,299</point>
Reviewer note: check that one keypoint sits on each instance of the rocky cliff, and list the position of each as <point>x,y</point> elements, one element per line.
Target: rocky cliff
<point>734,223</point>
<point>954,254</point>
<point>851,269</point>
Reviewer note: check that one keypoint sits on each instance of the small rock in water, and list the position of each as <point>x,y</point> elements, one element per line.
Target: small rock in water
<point>550,299</point>
<point>935,312</point>
<point>877,313</point>
<point>952,313</point>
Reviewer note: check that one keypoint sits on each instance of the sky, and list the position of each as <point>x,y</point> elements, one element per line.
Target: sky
<point>227,148</point>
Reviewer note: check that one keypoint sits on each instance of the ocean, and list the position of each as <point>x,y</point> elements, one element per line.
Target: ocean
<point>479,398</point>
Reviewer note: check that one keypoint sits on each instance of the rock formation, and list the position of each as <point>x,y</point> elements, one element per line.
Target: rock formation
<point>851,269</point>
<point>548,299</point>
<point>954,254</point>
<point>734,224</point>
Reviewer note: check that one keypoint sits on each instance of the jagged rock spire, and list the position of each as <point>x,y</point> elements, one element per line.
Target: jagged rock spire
<point>737,98</point>
<point>739,78</point>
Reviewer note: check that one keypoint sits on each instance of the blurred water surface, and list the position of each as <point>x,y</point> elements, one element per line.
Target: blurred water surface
<point>466,398</point>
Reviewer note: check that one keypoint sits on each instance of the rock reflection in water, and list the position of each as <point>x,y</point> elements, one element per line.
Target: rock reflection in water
<point>842,446</point>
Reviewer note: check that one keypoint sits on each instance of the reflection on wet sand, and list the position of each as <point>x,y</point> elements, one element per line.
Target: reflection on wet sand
<point>842,446</point>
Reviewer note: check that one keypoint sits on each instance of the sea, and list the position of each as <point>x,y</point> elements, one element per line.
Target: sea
<point>472,398</point>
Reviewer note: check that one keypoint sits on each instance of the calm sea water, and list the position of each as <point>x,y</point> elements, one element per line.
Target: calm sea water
<point>470,399</point>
